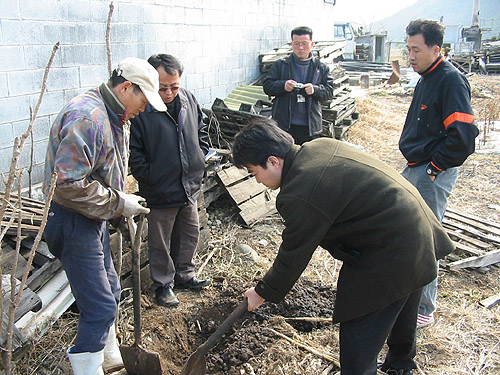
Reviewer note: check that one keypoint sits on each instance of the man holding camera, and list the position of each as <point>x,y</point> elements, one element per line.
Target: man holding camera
<point>299,82</point>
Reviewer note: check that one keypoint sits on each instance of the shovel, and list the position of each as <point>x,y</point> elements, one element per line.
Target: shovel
<point>196,364</point>
<point>138,361</point>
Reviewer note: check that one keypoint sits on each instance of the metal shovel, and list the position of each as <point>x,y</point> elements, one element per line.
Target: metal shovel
<point>196,364</point>
<point>138,361</point>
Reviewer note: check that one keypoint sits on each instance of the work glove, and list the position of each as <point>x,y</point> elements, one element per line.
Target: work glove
<point>133,205</point>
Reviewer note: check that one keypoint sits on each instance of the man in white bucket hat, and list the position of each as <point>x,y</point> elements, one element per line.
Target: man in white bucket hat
<point>87,150</point>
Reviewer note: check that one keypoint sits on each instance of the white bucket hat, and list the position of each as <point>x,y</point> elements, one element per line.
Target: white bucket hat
<point>143,74</point>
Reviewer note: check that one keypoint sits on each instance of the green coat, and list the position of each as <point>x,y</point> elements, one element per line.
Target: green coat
<point>364,213</point>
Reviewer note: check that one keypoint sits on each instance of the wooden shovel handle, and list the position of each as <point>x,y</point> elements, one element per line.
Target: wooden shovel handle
<point>136,280</point>
<point>226,324</point>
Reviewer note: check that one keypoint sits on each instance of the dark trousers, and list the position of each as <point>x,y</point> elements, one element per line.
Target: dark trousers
<point>361,339</point>
<point>82,245</point>
<point>300,134</point>
<point>173,235</point>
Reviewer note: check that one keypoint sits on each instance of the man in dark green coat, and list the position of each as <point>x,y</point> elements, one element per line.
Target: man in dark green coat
<point>364,213</point>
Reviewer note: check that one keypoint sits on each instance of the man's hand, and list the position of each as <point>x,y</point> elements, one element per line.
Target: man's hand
<point>133,205</point>
<point>289,85</point>
<point>309,88</point>
<point>254,300</point>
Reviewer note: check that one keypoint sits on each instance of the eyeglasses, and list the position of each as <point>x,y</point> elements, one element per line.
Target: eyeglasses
<point>300,44</point>
<point>171,88</point>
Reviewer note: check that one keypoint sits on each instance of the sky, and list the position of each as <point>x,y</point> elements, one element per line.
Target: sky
<point>366,12</point>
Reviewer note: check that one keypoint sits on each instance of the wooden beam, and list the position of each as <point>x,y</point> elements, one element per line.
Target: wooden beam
<point>490,301</point>
<point>489,258</point>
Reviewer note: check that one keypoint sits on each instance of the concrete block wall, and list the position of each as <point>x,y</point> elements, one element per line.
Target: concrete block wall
<point>218,41</point>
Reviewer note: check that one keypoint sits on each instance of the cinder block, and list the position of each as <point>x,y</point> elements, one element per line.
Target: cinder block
<point>6,135</point>
<point>210,79</point>
<point>12,58</point>
<point>10,9</point>
<point>176,14</point>
<point>99,11</point>
<point>40,128</point>
<point>40,10</point>
<point>52,103</point>
<point>14,108</point>
<point>40,150</point>
<point>91,32</point>
<point>22,32</point>
<point>123,32</point>
<point>194,81</point>
<point>63,78</point>
<point>3,86</point>
<point>194,16</point>
<point>25,82</point>
<point>203,96</point>
<point>154,14</point>
<point>93,75</point>
<point>37,56</point>
<point>66,33</point>
<point>76,10</point>
<point>100,55</point>
<point>129,13</point>
<point>76,55</point>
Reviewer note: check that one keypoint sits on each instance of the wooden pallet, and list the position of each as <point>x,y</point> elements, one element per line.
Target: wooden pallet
<point>477,241</point>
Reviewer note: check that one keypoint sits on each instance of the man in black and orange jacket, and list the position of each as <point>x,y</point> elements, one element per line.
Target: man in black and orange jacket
<point>439,132</point>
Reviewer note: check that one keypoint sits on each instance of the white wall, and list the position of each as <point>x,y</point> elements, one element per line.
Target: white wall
<point>218,41</point>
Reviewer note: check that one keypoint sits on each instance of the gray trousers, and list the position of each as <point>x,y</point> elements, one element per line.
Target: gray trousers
<point>173,235</point>
<point>435,194</point>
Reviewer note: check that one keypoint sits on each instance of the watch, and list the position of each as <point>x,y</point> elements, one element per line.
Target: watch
<point>431,171</point>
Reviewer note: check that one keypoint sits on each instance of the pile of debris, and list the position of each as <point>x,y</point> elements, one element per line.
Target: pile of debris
<point>485,61</point>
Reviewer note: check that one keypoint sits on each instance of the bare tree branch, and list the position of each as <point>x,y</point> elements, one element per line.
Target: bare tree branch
<point>108,38</point>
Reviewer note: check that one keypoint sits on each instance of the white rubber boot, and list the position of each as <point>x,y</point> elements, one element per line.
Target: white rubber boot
<point>87,363</point>
<point>112,356</point>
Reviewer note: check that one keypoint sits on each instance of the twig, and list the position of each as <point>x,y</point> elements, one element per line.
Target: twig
<point>108,38</point>
<point>310,349</point>
<point>310,319</point>
<point>19,143</point>
<point>206,261</point>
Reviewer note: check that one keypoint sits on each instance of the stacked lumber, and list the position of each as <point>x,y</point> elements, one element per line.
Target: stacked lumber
<point>31,215</point>
<point>339,113</point>
<point>485,61</point>
<point>326,51</point>
<point>378,72</point>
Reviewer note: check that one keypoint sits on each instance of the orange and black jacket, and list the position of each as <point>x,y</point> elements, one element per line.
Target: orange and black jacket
<point>439,127</point>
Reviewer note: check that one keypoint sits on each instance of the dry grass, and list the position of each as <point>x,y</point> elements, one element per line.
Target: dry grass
<point>466,336</point>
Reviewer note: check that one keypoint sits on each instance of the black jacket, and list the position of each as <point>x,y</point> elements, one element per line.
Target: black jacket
<point>168,158</point>
<point>284,101</point>
<point>439,127</point>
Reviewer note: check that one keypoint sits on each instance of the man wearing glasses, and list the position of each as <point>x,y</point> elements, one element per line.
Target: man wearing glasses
<point>167,157</point>
<point>299,82</point>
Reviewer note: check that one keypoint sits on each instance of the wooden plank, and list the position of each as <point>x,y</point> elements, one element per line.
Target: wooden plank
<point>484,237</point>
<point>471,240</point>
<point>481,261</point>
<point>229,176</point>
<point>257,207</point>
<point>476,224</point>
<point>18,339</point>
<point>245,190</point>
<point>472,217</point>
<point>29,300</point>
<point>467,249</point>
<point>43,274</point>
<point>490,301</point>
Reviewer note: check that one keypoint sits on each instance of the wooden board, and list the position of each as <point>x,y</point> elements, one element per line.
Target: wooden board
<point>487,259</point>
<point>259,206</point>
<point>245,190</point>
<point>229,176</point>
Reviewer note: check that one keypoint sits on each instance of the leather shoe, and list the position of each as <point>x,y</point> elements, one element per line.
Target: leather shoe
<point>194,284</point>
<point>165,296</point>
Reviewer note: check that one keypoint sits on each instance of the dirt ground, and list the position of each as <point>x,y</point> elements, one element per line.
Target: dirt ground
<point>464,340</point>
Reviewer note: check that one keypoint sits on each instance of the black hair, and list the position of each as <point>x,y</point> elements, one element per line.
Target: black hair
<point>432,31</point>
<point>258,140</point>
<point>171,64</point>
<point>116,80</point>
<point>302,30</point>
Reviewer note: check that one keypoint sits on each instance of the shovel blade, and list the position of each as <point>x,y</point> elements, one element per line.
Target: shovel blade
<point>195,365</point>
<point>138,361</point>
